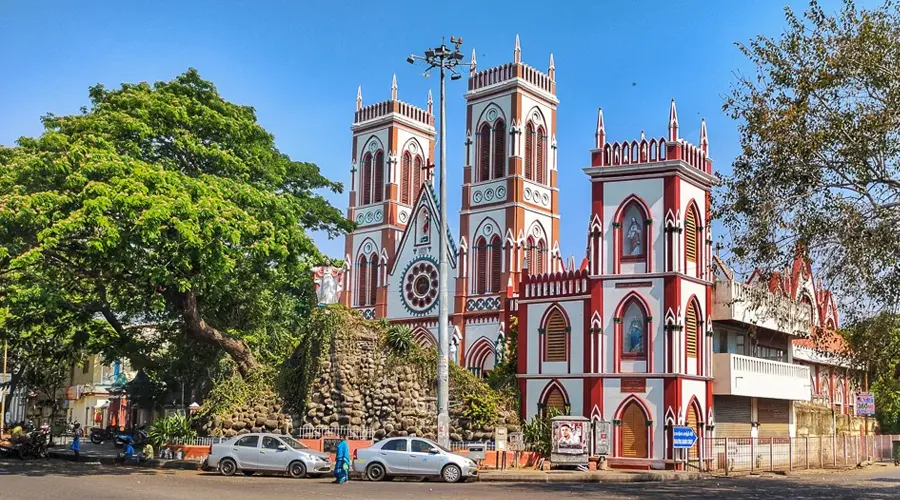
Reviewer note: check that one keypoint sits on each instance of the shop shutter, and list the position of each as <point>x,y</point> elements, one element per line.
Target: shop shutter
<point>556,337</point>
<point>634,432</point>
<point>774,418</point>
<point>732,416</point>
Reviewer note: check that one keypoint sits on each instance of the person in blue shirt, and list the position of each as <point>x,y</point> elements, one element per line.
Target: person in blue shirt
<point>342,462</point>
<point>128,453</point>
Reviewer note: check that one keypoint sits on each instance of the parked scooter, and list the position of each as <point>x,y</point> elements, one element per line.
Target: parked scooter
<point>138,437</point>
<point>34,445</point>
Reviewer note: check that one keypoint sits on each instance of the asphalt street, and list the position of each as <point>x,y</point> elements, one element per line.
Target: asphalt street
<point>63,480</point>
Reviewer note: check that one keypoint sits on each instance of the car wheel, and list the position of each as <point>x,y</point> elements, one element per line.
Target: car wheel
<point>297,470</point>
<point>227,467</point>
<point>375,472</point>
<point>451,474</point>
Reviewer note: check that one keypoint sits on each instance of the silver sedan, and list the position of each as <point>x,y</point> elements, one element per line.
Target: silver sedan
<point>411,456</point>
<point>251,453</point>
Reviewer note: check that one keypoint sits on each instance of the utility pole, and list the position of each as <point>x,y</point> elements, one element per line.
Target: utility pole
<point>447,59</point>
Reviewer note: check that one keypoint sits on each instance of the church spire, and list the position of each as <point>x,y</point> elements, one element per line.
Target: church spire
<point>552,72</point>
<point>600,135</point>
<point>517,53</point>
<point>704,140</point>
<point>359,98</point>
<point>673,123</point>
<point>430,103</point>
<point>472,69</point>
<point>394,88</point>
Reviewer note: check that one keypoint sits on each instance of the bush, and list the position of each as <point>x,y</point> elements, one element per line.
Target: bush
<point>175,429</point>
<point>399,339</point>
<point>538,432</point>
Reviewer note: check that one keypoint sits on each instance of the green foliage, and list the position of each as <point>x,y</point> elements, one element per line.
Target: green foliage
<point>399,339</point>
<point>175,429</point>
<point>503,377</point>
<point>162,204</point>
<point>538,432</point>
<point>874,345</point>
<point>481,408</point>
<point>296,375</point>
<point>820,161</point>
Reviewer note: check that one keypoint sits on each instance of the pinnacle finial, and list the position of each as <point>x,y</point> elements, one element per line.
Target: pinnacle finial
<point>472,67</point>
<point>517,53</point>
<point>704,140</point>
<point>394,88</point>
<point>430,103</point>
<point>673,122</point>
<point>600,135</point>
<point>359,98</point>
<point>552,72</point>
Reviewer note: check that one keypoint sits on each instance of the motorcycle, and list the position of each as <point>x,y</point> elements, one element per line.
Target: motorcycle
<point>138,437</point>
<point>99,435</point>
<point>34,445</point>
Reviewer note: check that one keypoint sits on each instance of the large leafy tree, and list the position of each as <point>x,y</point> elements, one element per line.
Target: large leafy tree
<point>166,204</point>
<point>820,137</point>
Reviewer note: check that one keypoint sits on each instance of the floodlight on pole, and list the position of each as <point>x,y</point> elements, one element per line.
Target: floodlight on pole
<point>445,58</point>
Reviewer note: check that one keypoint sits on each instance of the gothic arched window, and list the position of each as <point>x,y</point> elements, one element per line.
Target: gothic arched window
<point>540,159</point>
<point>529,151</point>
<point>692,330</point>
<point>555,400</point>
<point>405,178</point>
<point>366,177</point>
<point>417,177</point>
<point>499,149</point>
<point>373,279</point>
<point>481,263</point>
<point>484,153</point>
<point>496,263</point>
<point>362,281</point>
<point>556,332</point>
<point>379,177</point>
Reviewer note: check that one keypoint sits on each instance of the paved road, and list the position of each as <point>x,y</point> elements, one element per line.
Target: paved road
<point>63,480</point>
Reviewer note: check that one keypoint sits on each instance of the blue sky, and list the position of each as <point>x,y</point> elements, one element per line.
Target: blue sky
<point>299,64</point>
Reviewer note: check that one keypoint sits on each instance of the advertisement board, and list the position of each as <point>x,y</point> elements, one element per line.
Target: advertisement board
<point>865,403</point>
<point>602,431</point>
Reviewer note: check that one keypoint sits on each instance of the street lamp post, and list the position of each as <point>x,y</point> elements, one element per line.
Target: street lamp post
<point>446,59</point>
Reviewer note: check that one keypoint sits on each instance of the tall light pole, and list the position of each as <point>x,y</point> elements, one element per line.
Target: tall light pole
<point>446,59</point>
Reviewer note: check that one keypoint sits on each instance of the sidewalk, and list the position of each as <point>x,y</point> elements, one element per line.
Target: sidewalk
<point>110,459</point>
<point>606,476</point>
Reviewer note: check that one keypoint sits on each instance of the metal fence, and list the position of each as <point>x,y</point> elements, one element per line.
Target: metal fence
<point>778,454</point>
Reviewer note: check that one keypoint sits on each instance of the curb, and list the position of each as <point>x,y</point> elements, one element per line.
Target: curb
<point>587,477</point>
<point>108,460</point>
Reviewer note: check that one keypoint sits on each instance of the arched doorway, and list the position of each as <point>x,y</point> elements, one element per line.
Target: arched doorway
<point>634,432</point>
<point>554,399</point>
<point>693,422</point>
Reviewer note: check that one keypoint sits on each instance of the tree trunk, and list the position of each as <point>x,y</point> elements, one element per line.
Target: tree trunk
<point>198,328</point>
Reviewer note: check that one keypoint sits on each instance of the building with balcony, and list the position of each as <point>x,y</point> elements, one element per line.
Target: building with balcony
<point>95,394</point>
<point>774,373</point>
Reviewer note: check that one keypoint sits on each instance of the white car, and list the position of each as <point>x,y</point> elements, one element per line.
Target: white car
<point>251,453</point>
<point>411,456</point>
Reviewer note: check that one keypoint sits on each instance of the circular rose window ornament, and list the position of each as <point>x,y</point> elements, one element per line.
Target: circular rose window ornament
<point>420,286</point>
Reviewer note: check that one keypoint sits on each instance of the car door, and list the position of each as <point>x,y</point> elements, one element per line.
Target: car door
<point>422,460</point>
<point>394,454</point>
<point>246,452</point>
<point>270,456</point>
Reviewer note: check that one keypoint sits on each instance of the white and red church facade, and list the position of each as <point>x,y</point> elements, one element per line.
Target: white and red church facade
<point>625,336</point>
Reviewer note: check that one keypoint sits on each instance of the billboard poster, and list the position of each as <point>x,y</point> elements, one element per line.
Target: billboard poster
<point>570,436</point>
<point>865,403</point>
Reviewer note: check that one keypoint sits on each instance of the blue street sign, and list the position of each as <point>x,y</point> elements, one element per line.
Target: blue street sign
<point>683,437</point>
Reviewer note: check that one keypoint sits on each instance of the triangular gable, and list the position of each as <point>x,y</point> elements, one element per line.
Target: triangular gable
<point>427,200</point>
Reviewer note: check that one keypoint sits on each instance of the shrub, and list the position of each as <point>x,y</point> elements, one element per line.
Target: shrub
<point>538,432</point>
<point>175,429</point>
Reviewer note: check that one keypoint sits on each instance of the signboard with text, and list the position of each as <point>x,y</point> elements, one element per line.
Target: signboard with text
<point>683,437</point>
<point>865,403</point>
<point>602,432</point>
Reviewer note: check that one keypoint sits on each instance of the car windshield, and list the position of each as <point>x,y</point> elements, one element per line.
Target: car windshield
<point>293,443</point>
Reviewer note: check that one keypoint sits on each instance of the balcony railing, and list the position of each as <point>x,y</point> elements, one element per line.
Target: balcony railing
<point>756,305</point>
<point>736,375</point>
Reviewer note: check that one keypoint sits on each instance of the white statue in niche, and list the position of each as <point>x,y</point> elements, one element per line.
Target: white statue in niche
<point>634,238</point>
<point>329,284</point>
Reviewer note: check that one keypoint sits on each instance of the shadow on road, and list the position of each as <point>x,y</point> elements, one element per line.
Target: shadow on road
<point>732,489</point>
<point>40,468</point>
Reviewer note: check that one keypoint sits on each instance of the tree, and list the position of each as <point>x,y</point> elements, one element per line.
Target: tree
<point>820,137</point>
<point>165,203</point>
<point>874,344</point>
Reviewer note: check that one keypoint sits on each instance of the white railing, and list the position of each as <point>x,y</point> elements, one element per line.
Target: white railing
<point>738,375</point>
<point>755,305</point>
